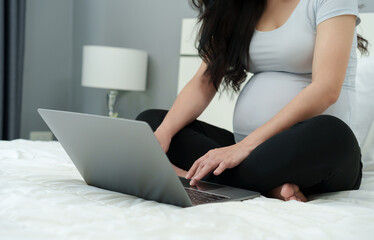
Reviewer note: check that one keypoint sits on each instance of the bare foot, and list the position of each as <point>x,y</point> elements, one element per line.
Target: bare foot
<point>286,192</point>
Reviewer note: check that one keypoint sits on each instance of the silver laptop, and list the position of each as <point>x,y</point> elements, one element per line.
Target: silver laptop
<point>124,156</point>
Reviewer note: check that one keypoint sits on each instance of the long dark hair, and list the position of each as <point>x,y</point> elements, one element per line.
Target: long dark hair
<point>227,28</point>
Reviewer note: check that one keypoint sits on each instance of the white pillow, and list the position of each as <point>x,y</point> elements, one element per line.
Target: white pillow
<point>363,110</point>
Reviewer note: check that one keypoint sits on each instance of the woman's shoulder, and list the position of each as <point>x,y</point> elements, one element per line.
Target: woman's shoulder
<point>333,4</point>
<point>321,10</point>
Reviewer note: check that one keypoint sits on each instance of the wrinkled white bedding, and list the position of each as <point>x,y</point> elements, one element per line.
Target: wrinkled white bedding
<point>42,196</point>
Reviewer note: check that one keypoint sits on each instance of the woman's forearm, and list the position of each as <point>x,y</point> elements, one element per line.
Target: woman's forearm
<point>189,104</point>
<point>311,101</point>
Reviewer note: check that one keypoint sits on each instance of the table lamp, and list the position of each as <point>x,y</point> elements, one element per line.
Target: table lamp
<point>114,69</point>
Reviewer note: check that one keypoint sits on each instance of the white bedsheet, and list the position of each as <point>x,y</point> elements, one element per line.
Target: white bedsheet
<point>42,196</point>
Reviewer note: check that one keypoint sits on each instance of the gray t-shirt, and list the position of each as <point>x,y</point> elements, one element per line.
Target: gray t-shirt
<point>281,61</point>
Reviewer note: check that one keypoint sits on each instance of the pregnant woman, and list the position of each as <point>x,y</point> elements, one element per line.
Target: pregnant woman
<point>291,121</point>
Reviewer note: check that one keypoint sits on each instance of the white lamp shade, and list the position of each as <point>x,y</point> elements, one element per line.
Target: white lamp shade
<point>114,68</point>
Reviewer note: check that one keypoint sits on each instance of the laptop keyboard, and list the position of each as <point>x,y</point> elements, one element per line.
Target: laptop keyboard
<point>199,197</point>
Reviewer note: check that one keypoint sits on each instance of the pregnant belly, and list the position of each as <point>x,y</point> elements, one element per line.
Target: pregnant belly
<point>268,92</point>
<point>263,97</point>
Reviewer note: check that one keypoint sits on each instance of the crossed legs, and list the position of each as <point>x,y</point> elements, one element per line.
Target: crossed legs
<point>320,154</point>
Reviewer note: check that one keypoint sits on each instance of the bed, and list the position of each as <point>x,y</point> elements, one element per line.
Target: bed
<point>42,196</point>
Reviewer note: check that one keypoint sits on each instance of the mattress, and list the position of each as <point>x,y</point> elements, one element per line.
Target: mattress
<point>43,196</point>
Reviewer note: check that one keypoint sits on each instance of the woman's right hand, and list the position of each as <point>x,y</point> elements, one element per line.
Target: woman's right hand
<point>163,138</point>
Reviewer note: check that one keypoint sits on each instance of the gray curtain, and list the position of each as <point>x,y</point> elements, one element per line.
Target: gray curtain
<point>12,34</point>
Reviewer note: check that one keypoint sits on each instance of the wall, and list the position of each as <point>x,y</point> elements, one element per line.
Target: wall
<point>56,32</point>
<point>153,26</point>
<point>48,60</point>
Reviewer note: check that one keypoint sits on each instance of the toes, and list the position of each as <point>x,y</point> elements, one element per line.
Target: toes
<point>295,188</point>
<point>301,197</point>
<point>293,198</point>
<point>287,191</point>
<point>292,192</point>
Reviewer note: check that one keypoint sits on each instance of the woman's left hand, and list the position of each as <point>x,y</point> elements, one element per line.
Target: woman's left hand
<point>217,160</point>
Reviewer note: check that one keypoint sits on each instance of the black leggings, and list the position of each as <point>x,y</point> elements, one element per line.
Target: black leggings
<point>320,154</point>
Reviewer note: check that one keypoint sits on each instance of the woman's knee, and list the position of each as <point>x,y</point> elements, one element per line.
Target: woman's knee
<point>153,117</point>
<point>346,152</point>
<point>327,121</point>
<point>334,127</point>
<point>150,114</point>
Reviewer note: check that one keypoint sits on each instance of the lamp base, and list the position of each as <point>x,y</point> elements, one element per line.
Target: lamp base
<point>112,95</point>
